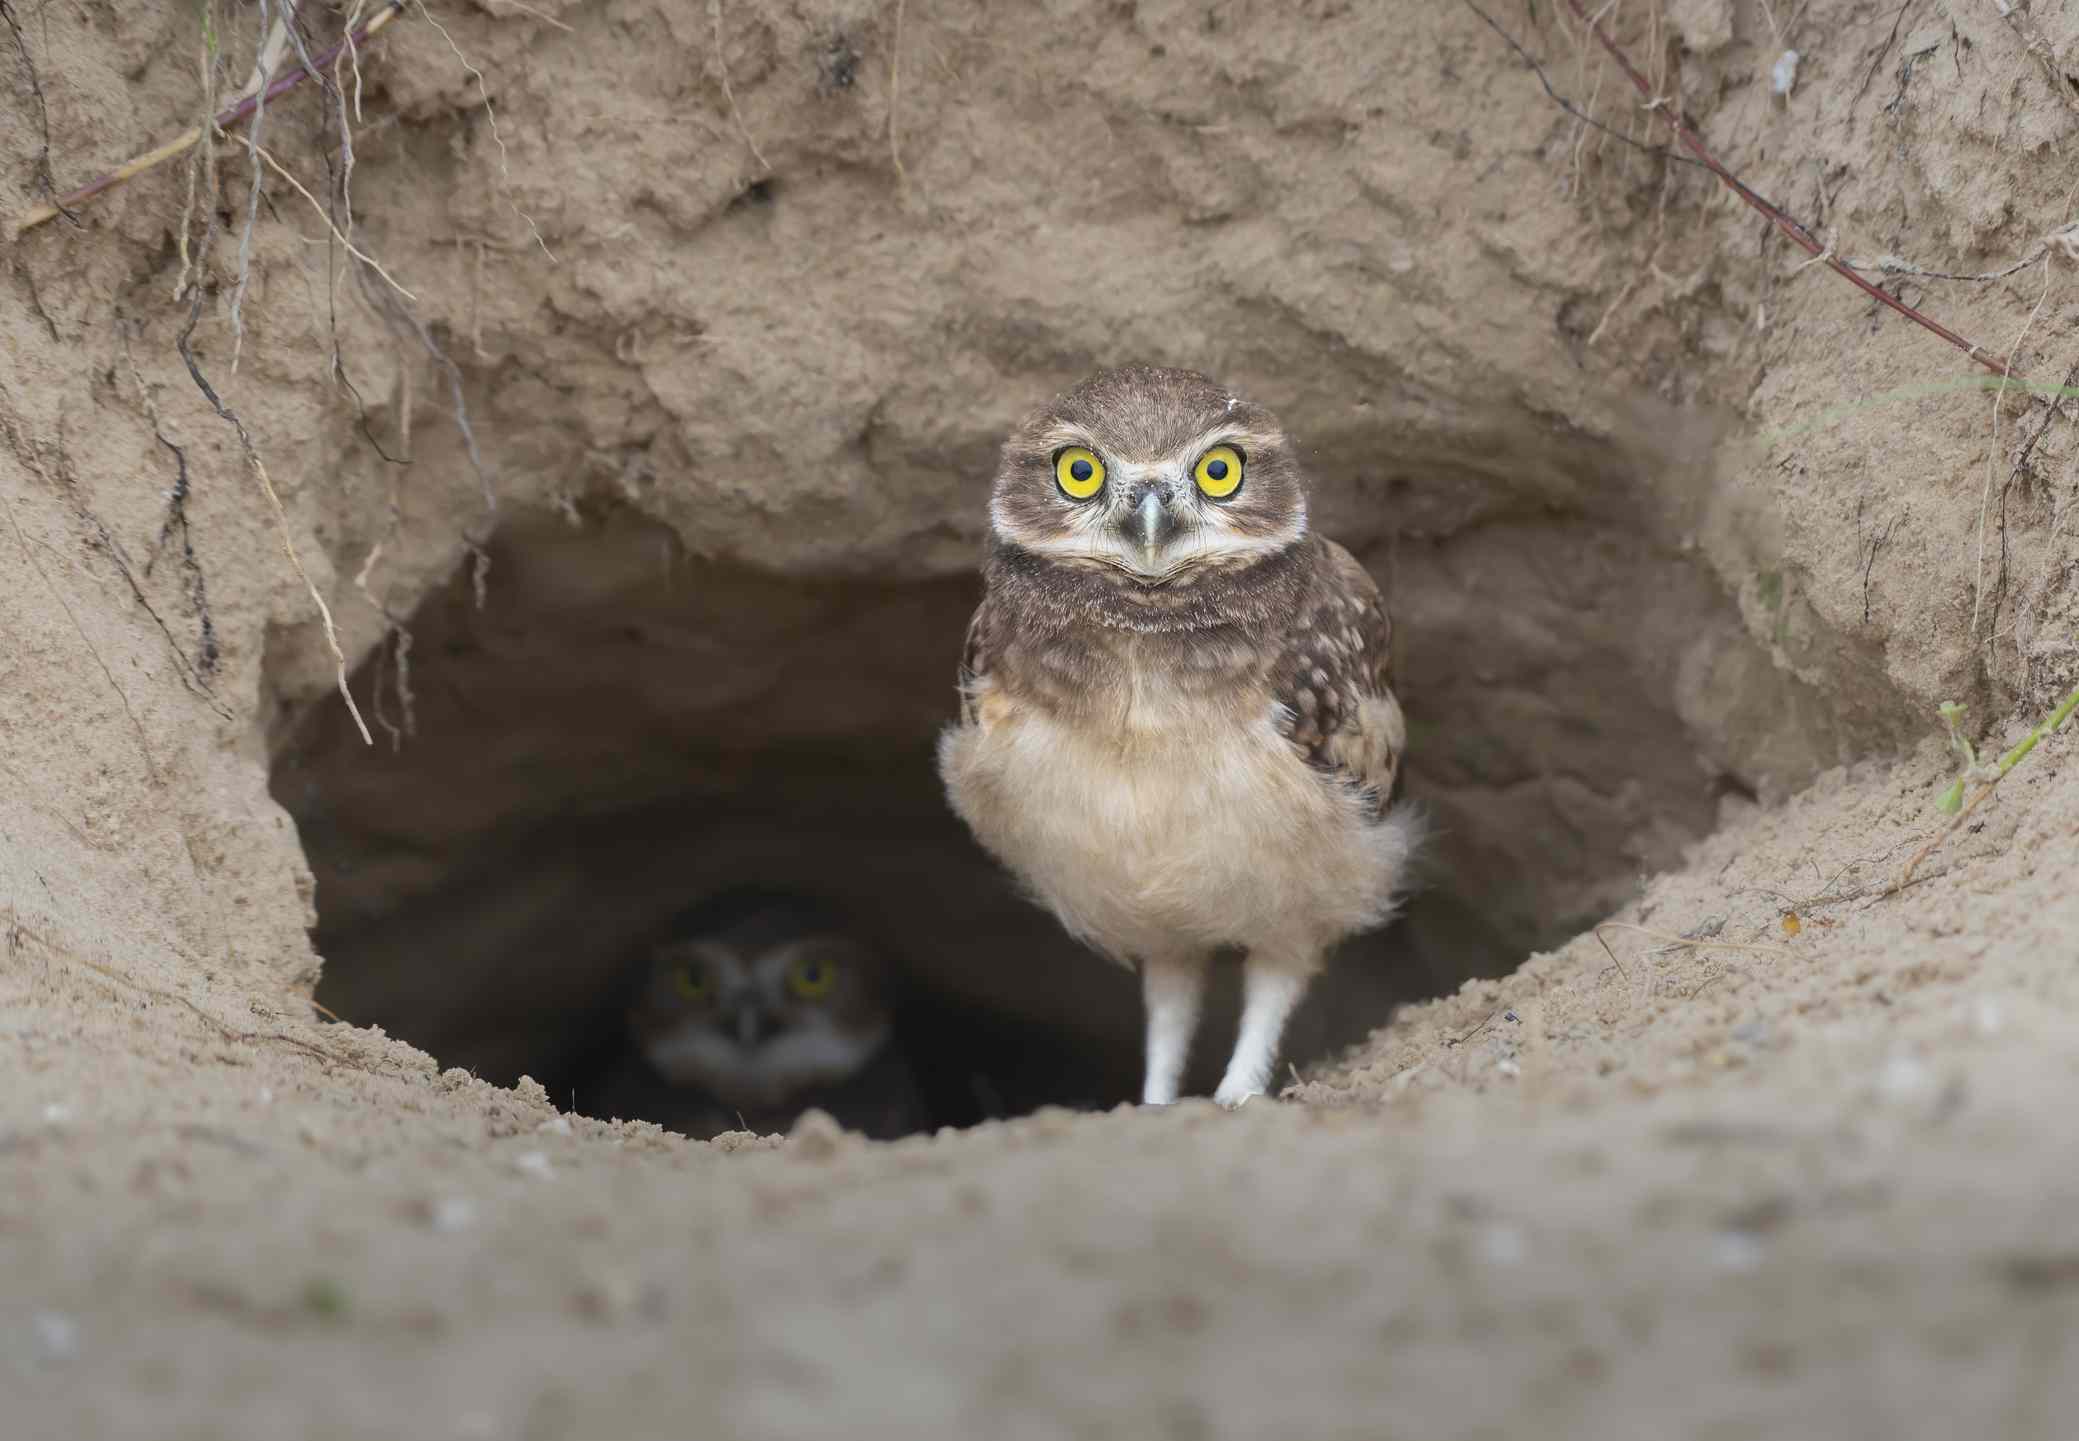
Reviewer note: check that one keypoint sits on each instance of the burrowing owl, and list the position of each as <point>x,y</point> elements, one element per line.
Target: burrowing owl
<point>755,1007</point>
<point>1176,726</point>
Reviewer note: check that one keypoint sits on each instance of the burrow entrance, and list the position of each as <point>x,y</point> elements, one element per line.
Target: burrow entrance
<point>610,729</point>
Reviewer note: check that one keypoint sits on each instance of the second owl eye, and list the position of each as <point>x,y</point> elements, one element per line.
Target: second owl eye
<point>1079,472</point>
<point>811,977</point>
<point>690,984</point>
<point>1219,472</point>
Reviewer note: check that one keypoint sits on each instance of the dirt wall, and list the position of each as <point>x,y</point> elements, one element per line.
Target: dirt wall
<point>788,319</point>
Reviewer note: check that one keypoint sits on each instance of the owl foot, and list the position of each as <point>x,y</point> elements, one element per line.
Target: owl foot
<point>1268,996</point>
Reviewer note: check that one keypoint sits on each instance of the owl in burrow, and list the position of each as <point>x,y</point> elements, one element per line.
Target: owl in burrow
<point>1176,727</point>
<point>755,1007</point>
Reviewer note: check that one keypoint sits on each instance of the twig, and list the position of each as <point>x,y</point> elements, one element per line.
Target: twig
<point>402,319</point>
<point>1567,105</point>
<point>1869,564</point>
<point>1992,457</point>
<point>2038,46</point>
<point>176,520</point>
<point>542,15</point>
<point>337,234</point>
<point>1892,265</point>
<point>1797,233</point>
<point>351,56</point>
<point>2007,763</point>
<point>505,173</point>
<point>338,209</point>
<point>187,140</point>
<point>203,159</point>
<point>222,1027</point>
<point>1613,957</point>
<point>902,177</point>
<point>184,344</point>
<point>2065,238</point>
<point>263,72</point>
<point>1450,1043</point>
<point>46,183</point>
<point>714,10</point>
<point>1884,49</point>
<point>1694,943</point>
<point>144,748</point>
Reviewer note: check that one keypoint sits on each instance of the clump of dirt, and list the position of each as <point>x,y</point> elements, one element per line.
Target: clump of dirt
<point>660,587</point>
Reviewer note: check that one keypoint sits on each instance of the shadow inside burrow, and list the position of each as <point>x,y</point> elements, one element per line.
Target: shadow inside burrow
<point>614,729</point>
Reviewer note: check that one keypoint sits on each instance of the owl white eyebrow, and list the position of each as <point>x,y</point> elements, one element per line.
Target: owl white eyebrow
<point>1227,433</point>
<point>1063,433</point>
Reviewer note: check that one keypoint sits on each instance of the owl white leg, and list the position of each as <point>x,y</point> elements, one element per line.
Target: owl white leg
<point>1173,987</point>
<point>1268,995</point>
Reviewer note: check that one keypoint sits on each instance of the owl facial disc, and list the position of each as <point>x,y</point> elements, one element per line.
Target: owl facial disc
<point>1156,474</point>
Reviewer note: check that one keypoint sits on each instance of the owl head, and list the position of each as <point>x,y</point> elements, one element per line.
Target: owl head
<point>754,999</point>
<point>1151,475</point>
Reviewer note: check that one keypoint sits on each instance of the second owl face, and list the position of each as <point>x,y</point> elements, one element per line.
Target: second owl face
<point>755,1024</point>
<point>1153,473</point>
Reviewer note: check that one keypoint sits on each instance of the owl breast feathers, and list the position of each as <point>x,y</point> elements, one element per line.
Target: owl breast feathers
<point>1177,726</point>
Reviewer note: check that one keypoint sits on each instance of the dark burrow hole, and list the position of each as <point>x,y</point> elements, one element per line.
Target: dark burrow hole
<point>615,731</point>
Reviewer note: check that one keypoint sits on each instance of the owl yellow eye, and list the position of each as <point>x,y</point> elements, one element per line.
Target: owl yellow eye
<point>1078,472</point>
<point>811,977</point>
<point>689,983</point>
<point>1219,472</point>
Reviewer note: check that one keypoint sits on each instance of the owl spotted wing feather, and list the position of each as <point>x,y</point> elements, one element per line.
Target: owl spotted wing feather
<point>976,656</point>
<point>1332,680</point>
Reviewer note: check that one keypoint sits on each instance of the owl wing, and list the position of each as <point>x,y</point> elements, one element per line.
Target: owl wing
<point>1332,680</point>
<point>978,656</point>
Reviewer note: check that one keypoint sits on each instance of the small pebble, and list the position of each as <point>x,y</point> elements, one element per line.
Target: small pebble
<point>815,1135</point>
<point>57,1335</point>
<point>1503,1245</point>
<point>1784,73</point>
<point>1738,1251</point>
<point>1905,1079</point>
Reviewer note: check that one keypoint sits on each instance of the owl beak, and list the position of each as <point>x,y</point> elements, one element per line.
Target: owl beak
<point>1150,524</point>
<point>750,1025</point>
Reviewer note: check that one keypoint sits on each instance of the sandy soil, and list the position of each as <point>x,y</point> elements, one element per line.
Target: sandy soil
<point>1820,1185</point>
<point>1701,1173</point>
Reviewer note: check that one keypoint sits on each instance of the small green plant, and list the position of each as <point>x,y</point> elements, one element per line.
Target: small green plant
<point>325,1298</point>
<point>1951,800</point>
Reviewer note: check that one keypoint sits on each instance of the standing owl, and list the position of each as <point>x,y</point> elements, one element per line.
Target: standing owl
<point>754,1008</point>
<point>1176,727</point>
